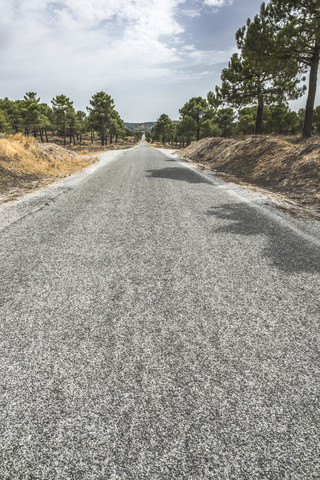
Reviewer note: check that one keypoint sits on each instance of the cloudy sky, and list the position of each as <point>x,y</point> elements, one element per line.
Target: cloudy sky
<point>151,56</point>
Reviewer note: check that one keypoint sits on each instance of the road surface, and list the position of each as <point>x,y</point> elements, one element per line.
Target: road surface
<point>155,325</point>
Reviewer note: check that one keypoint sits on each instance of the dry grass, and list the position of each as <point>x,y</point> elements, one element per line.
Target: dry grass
<point>26,164</point>
<point>88,150</point>
<point>86,147</point>
<point>160,145</point>
<point>288,166</point>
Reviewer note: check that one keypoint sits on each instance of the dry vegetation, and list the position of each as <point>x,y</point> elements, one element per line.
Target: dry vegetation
<point>160,145</point>
<point>89,149</point>
<point>287,166</point>
<point>26,164</point>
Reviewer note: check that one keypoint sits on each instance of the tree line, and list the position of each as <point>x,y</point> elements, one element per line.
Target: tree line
<point>275,51</point>
<point>32,117</point>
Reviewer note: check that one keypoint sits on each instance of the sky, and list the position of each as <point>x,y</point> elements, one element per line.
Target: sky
<point>151,56</point>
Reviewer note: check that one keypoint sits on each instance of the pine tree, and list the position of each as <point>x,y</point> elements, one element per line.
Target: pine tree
<point>198,109</point>
<point>186,130</point>
<point>101,110</point>
<point>252,77</point>
<point>296,25</point>
<point>63,110</point>
<point>163,129</point>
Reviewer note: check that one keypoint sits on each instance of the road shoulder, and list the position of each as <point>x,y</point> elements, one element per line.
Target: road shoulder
<point>14,210</point>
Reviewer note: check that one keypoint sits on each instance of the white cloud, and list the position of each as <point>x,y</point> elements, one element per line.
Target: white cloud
<point>191,12</point>
<point>77,47</point>
<point>217,3</point>
<point>49,32</point>
<point>208,57</point>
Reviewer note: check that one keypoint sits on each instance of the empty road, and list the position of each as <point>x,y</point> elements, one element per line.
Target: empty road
<point>155,325</point>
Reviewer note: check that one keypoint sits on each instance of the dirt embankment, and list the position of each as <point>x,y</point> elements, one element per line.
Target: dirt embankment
<point>286,166</point>
<point>26,164</point>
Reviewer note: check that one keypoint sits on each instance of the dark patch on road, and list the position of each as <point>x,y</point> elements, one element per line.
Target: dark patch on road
<point>288,251</point>
<point>178,173</point>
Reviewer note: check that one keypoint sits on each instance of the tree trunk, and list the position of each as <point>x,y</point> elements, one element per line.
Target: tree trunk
<point>45,130</point>
<point>116,138</point>
<point>111,137</point>
<point>307,128</point>
<point>102,132</point>
<point>41,134</point>
<point>74,139</point>
<point>258,125</point>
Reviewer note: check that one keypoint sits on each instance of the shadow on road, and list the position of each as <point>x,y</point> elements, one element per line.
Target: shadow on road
<point>287,250</point>
<point>177,173</point>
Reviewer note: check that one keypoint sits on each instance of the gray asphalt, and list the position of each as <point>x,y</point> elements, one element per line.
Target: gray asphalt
<point>155,326</point>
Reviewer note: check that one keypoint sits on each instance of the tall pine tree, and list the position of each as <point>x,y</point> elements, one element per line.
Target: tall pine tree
<point>296,25</point>
<point>252,77</point>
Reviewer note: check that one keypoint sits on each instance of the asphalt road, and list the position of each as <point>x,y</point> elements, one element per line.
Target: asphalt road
<point>154,325</point>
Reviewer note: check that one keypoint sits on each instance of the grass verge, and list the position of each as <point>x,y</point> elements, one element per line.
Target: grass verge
<point>26,164</point>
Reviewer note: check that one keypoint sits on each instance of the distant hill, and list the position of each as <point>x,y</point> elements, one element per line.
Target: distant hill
<point>139,127</point>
